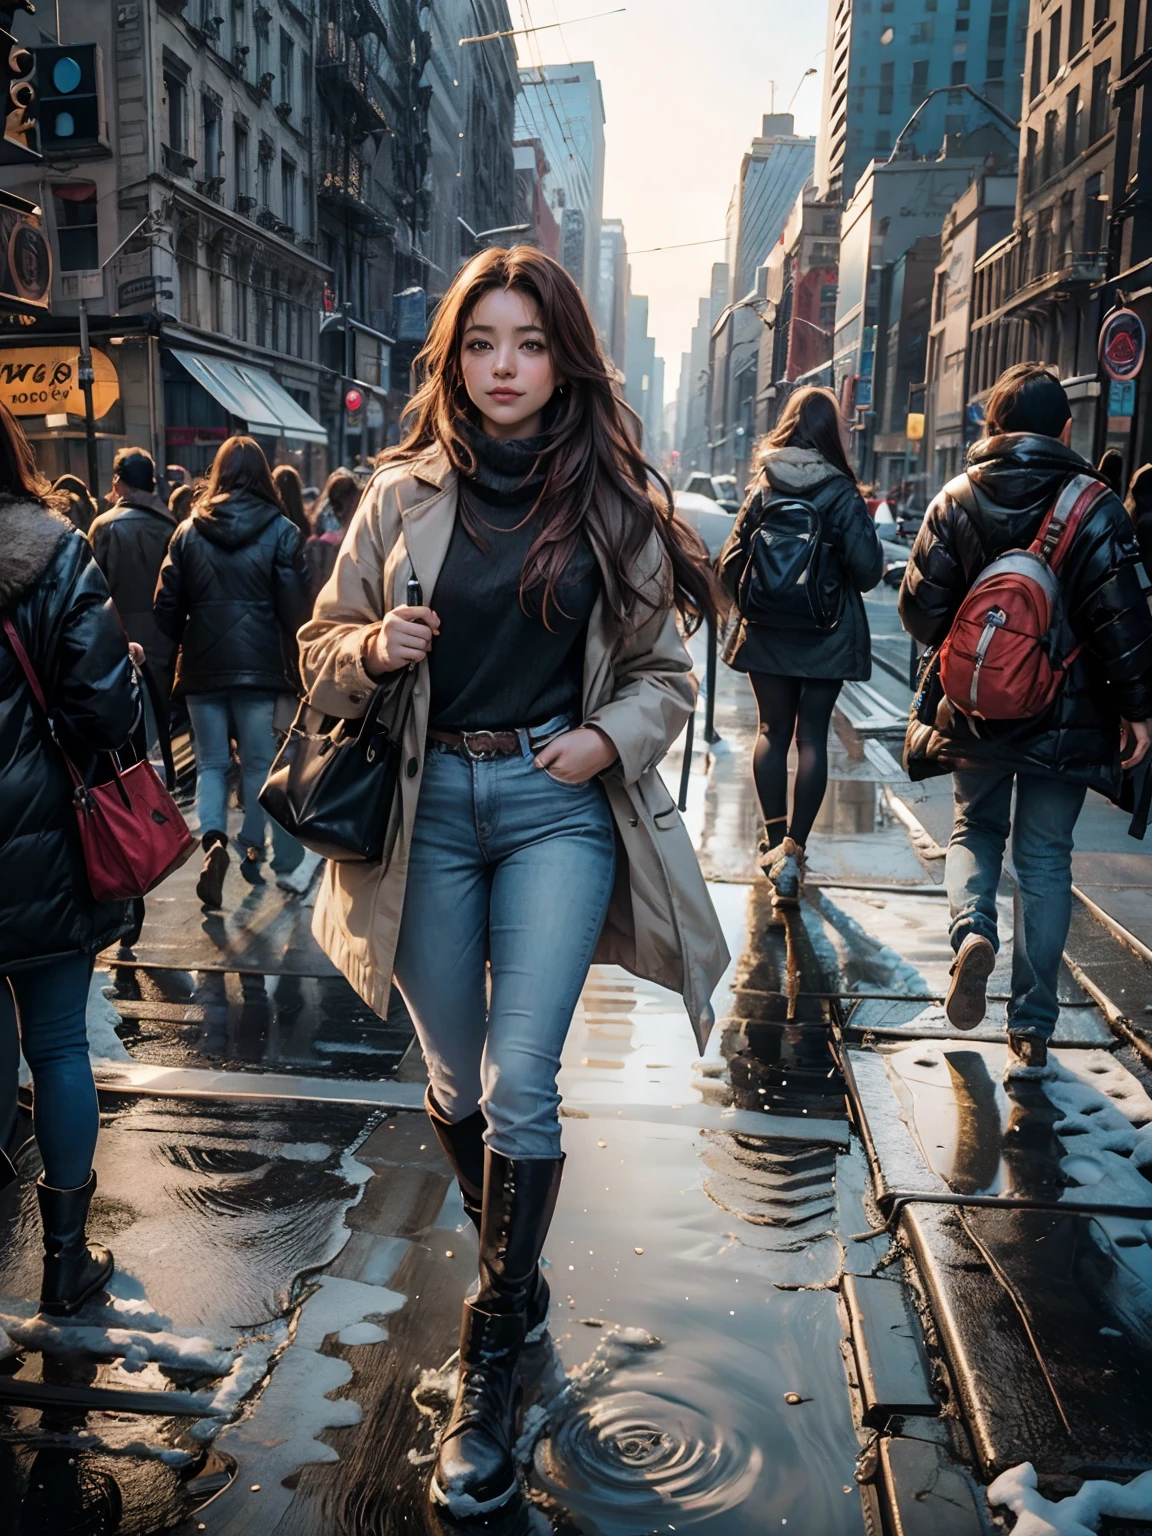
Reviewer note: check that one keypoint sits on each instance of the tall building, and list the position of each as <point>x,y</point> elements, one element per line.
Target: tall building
<point>880,67</point>
<point>772,175</point>
<point>612,290</point>
<point>693,443</point>
<point>562,106</point>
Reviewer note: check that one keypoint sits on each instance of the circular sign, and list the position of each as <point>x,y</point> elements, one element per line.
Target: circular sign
<point>353,400</point>
<point>1122,344</point>
<point>30,261</point>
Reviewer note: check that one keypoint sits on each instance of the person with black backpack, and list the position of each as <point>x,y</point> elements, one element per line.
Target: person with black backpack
<point>802,551</point>
<point>1023,583</point>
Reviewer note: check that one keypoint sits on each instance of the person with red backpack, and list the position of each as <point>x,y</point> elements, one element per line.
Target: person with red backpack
<point>1023,584</point>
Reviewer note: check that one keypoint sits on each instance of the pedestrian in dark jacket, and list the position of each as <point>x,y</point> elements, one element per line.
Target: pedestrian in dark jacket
<point>1013,478</point>
<point>130,541</point>
<point>797,674</point>
<point>53,594</point>
<point>337,502</point>
<point>290,487</point>
<point>80,507</point>
<point>233,593</point>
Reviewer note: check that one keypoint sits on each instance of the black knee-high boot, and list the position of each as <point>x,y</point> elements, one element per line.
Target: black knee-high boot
<point>475,1471</point>
<point>74,1268</point>
<point>463,1145</point>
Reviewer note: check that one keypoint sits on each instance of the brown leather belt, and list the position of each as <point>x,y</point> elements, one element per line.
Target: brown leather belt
<point>480,746</point>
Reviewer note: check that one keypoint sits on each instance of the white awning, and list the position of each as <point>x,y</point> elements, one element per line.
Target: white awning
<point>253,396</point>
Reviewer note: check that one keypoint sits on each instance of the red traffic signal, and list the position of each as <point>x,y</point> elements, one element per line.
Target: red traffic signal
<point>353,400</point>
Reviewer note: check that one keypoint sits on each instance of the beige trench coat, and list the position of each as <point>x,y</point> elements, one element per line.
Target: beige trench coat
<point>639,691</point>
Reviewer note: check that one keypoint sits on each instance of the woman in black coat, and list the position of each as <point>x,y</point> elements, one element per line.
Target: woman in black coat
<point>797,672</point>
<point>53,595</point>
<point>233,592</point>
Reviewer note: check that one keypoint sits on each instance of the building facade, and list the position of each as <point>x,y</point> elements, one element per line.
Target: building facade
<point>883,58</point>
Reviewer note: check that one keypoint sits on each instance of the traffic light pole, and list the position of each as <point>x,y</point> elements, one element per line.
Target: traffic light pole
<point>86,379</point>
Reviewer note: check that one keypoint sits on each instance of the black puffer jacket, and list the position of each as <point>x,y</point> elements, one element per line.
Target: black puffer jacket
<point>53,591</point>
<point>233,591</point>
<point>1014,479</point>
<point>846,651</point>
<point>130,542</point>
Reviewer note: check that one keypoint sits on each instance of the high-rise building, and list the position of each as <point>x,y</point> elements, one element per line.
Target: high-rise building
<point>772,174</point>
<point>612,290</point>
<point>883,60</point>
<point>562,106</point>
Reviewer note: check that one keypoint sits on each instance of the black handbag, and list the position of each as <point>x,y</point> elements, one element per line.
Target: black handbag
<point>333,782</point>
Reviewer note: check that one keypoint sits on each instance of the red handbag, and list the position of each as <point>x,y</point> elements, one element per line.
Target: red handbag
<point>131,831</point>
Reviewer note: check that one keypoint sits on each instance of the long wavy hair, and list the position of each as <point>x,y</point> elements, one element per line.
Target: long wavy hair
<point>597,482</point>
<point>811,419</point>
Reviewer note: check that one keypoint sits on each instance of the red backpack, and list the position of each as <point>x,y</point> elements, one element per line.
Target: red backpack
<point>1005,657</point>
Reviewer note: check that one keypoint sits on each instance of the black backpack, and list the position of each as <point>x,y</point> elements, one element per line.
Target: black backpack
<point>787,576</point>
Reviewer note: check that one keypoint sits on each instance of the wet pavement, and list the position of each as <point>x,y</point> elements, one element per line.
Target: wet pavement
<point>832,1277</point>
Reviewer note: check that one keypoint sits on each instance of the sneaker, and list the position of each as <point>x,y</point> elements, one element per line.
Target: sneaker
<point>1027,1056</point>
<point>786,872</point>
<point>967,1001</point>
<point>210,886</point>
<point>298,881</point>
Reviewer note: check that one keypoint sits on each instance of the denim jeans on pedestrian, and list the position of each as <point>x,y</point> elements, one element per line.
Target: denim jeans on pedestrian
<point>52,1003</point>
<point>1042,825</point>
<point>509,865</point>
<point>250,711</point>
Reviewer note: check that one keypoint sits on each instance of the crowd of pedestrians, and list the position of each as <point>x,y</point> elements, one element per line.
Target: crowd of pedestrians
<point>514,585</point>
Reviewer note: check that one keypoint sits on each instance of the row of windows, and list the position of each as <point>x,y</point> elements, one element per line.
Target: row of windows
<point>251,193</point>
<point>251,310</point>
<point>1058,50</point>
<point>1072,228</point>
<point>1065,133</point>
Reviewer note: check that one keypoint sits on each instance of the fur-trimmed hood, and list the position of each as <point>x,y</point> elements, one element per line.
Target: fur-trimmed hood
<point>796,470</point>
<point>30,535</point>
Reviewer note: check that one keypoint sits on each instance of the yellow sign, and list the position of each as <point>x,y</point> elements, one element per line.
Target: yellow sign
<point>39,381</point>
<point>914,431</point>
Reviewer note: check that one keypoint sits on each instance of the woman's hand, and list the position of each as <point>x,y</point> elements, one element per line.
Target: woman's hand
<point>403,638</point>
<point>1136,738</point>
<point>578,755</point>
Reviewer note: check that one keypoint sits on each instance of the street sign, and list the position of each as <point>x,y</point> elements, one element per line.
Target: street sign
<point>1122,343</point>
<point>37,380</point>
<point>138,289</point>
<point>353,400</point>
<point>1122,397</point>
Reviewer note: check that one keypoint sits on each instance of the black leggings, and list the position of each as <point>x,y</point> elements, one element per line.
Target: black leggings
<point>800,708</point>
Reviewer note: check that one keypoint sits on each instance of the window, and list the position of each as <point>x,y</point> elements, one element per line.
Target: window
<point>186,272</point>
<point>1032,142</point>
<point>287,60</point>
<point>1048,154</point>
<point>1067,240</point>
<point>1101,10</point>
<point>210,137</point>
<point>1073,125</point>
<point>1043,242</point>
<point>216,287</point>
<point>288,191</point>
<point>882,144</point>
<point>997,34</point>
<point>260,304</point>
<point>75,207</point>
<point>1098,110</point>
<point>962,23</point>
<point>958,72</point>
<point>919,82</point>
<point>887,87</point>
<point>177,93</point>
<point>1054,45</point>
<point>266,154</point>
<point>1075,27</point>
<point>241,165</point>
<point>1034,75</point>
<point>1095,205</point>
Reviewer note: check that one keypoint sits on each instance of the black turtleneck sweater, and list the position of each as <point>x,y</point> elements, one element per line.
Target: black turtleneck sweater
<point>495,664</point>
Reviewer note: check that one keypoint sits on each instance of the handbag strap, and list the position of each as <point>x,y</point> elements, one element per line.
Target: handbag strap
<point>29,671</point>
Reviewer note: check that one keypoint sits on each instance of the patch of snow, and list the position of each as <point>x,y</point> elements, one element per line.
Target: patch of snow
<point>1079,1515</point>
<point>133,1346</point>
<point>104,1044</point>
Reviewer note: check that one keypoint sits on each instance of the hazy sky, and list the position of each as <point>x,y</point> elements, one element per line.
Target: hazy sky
<point>686,83</point>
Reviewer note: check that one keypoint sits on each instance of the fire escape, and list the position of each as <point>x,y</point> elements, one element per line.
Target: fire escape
<point>351,47</point>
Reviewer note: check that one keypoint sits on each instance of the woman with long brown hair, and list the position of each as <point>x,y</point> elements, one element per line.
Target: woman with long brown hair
<point>798,661</point>
<point>233,593</point>
<point>532,832</point>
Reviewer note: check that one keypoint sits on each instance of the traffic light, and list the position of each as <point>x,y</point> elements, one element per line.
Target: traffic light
<point>18,143</point>
<point>68,80</point>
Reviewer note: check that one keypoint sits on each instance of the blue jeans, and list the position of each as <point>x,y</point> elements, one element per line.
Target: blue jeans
<point>512,866</point>
<point>1042,828</point>
<point>52,1003</point>
<point>250,711</point>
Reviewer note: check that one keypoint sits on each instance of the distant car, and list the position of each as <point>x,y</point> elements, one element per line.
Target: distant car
<point>718,488</point>
<point>711,519</point>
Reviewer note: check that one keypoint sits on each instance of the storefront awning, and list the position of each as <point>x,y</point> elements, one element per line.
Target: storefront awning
<point>253,396</point>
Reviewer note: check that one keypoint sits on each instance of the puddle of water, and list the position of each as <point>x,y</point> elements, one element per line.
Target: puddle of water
<point>314,1025</point>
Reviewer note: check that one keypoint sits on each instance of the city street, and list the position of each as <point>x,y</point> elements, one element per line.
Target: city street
<point>798,1281</point>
